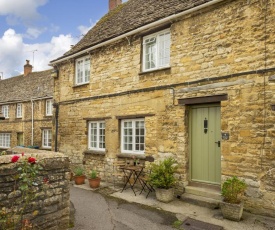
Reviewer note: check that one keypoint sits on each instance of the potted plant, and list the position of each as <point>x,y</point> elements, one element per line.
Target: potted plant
<point>232,205</point>
<point>79,176</point>
<point>94,180</point>
<point>162,178</point>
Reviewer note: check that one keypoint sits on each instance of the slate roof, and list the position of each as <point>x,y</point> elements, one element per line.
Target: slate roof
<point>130,16</point>
<point>20,88</point>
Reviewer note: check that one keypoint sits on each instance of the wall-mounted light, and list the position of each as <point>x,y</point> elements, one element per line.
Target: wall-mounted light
<point>273,107</point>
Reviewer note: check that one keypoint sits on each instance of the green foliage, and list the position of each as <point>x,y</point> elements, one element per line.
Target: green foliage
<point>26,185</point>
<point>79,171</point>
<point>93,174</point>
<point>27,175</point>
<point>232,189</point>
<point>162,174</point>
<point>178,225</point>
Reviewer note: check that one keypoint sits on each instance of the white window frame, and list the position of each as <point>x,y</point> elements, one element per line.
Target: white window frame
<point>49,107</point>
<point>160,51</point>
<point>5,111</point>
<point>82,70</point>
<point>5,139</point>
<point>47,138</point>
<point>97,138</point>
<point>133,136</point>
<point>19,110</point>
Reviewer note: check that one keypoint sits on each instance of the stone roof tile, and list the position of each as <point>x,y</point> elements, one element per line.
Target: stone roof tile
<point>19,88</point>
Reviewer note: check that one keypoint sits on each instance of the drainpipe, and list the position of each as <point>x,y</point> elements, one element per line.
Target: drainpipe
<point>32,101</point>
<point>56,106</point>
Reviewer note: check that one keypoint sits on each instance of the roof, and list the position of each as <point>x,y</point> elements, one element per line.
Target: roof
<point>129,16</point>
<point>20,88</point>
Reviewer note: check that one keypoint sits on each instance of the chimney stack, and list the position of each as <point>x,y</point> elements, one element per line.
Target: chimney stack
<point>113,4</point>
<point>27,68</point>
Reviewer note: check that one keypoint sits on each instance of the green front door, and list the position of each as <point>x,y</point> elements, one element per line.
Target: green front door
<point>205,144</point>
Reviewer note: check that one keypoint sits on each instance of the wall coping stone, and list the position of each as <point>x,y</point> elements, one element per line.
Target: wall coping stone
<point>37,153</point>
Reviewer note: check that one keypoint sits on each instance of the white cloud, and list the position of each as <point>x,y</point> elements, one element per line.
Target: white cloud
<point>84,29</point>
<point>20,11</point>
<point>33,33</point>
<point>14,52</point>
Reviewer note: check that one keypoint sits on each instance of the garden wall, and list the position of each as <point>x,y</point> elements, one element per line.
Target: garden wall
<point>47,204</point>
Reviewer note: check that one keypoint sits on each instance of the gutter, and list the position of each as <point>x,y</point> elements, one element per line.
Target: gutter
<point>22,101</point>
<point>148,26</point>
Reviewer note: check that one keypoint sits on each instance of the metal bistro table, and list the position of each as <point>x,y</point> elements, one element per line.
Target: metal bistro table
<point>134,172</point>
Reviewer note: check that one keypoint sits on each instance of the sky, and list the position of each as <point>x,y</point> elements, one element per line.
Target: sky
<point>42,30</point>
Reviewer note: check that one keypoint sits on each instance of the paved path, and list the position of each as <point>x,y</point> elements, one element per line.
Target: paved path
<point>124,211</point>
<point>96,211</point>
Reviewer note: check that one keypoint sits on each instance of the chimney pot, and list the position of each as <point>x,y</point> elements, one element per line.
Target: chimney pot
<point>113,4</point>
<point>27,68</point>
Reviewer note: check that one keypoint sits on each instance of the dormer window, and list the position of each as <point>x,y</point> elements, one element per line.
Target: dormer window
<point>156,51</point>
<point>82,70</point>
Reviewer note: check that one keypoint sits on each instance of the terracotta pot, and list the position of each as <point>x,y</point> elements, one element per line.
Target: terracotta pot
<point>165,195</point>
<point>79,180</point>
<point>232,211</point>
<point>94,183</point>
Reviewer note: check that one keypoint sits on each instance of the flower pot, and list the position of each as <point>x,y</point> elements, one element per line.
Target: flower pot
<point>79,180</point>
<point>94,183</point>
<point>232,211</point>
<point>165,195</point>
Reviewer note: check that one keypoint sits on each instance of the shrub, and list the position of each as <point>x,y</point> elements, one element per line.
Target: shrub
<point>232,189</point>
<point>79,171</point>
<point>162,174</point>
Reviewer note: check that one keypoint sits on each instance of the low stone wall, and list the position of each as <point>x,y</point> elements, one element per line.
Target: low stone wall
<point>49,208</point>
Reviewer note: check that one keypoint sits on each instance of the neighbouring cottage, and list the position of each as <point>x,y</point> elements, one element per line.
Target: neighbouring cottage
<point>26,104</point>
<point>191,79</point>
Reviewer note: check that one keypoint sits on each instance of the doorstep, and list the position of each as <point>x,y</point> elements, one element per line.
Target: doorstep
<point>202,196</point>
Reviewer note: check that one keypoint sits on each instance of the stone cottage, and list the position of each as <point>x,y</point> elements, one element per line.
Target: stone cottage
<point>191,79</point>
<point>26,103</point>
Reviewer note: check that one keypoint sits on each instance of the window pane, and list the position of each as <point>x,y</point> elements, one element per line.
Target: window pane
<point>156,50</point>
<point>150,55</point>
<point>133,135</point>
<point>164,49</point>
<point>97,135</point>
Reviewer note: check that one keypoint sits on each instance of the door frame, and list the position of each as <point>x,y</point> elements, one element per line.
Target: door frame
<point>190,106</point>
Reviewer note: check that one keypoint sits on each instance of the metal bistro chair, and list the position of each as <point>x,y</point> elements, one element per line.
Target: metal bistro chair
<point>145,177</point>
<point>117,172</point>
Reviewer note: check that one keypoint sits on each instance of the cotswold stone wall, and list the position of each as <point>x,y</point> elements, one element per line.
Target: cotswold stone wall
<point>51,207</point>
<point>226,49</point>
<point>14,125</point>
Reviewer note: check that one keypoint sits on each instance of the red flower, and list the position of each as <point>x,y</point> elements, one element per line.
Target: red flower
<point>22,154</point>
<point>31,160</point>
<point>15,159</point>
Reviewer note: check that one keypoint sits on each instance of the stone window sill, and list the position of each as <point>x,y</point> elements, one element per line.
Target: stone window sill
<point>87,83</point>
<point>94,152</point>
<point>155,70</point>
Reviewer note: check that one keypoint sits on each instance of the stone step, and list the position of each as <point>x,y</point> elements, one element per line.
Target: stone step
<point>203,192</point>
<point>200,201</point>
